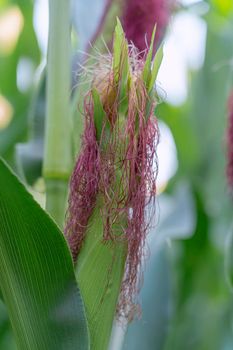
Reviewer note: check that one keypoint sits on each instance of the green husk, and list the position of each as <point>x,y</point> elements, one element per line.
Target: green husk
<point>101,263</point>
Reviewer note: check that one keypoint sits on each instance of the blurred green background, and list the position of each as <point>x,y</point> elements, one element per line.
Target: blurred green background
<point>186,297</point>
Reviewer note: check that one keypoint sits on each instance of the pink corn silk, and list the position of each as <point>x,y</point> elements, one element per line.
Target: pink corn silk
<point>120,168</point>
<point>140,17</point>
<point>128,185</point>
<point>229,170</point>
<point>83,184</point>
<point>141,183</point>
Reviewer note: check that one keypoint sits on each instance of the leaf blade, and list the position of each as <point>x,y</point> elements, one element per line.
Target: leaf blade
<point>156,65</point>
<point>146,74</point>
<point>36,274</point>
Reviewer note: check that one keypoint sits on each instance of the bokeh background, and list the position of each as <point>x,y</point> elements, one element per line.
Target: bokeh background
<point>186,298</point>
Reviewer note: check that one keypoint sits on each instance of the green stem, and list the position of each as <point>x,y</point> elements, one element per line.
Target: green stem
<point>57,155</point>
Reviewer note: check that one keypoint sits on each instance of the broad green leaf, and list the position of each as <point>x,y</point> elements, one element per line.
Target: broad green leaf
<point>7,341</point>
<point>100,269</point>
<point>36,274</point>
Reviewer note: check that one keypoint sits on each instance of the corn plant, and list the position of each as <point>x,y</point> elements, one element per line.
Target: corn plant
<point>66,272</point>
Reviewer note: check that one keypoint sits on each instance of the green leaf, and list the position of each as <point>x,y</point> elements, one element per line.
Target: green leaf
<point>99,113</point>
<point>7,341</point>
<point>100,270</point>
<point>120,49</point>
<point>121,66</point>
<point>156,64</point>
<point>36,274</point>
<point>146,74</point>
